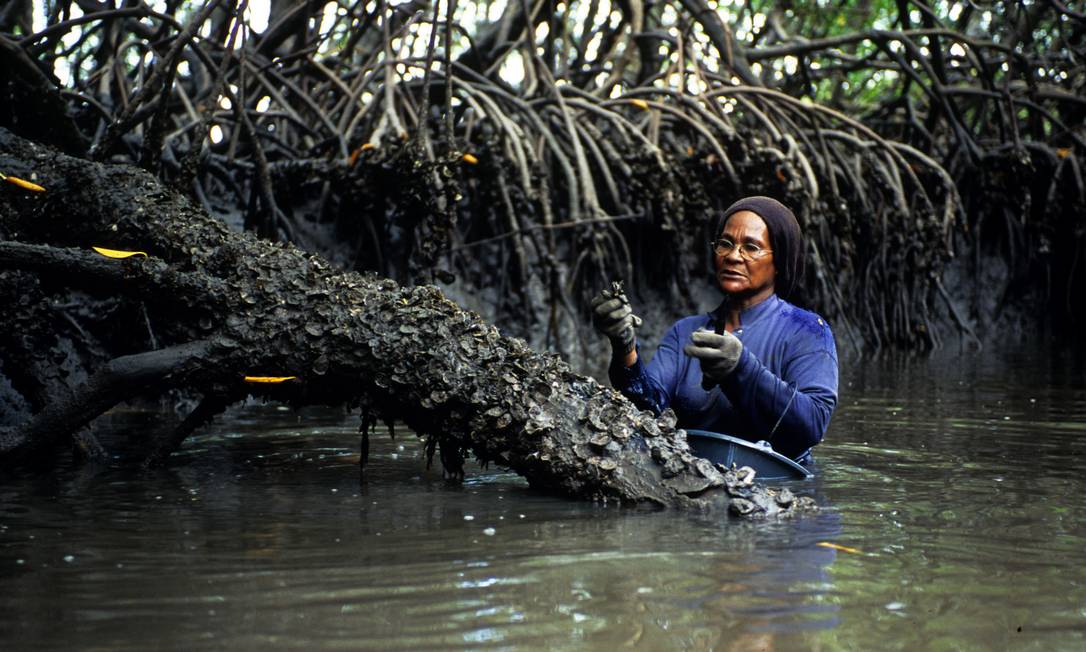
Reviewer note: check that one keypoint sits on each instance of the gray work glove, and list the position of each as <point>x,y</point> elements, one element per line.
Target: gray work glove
<point>612,316</point>
<point>718,354</point>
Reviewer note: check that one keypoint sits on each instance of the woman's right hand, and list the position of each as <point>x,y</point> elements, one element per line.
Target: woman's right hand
<point>613,317</point>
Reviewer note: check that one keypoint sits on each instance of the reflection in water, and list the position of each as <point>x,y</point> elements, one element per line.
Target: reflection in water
<point>960,486</point>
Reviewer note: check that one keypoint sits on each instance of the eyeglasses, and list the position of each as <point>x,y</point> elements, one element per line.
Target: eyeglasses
<point>747,250</point>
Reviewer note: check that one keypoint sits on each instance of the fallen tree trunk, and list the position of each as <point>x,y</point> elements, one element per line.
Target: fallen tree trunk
<point>224,305</point>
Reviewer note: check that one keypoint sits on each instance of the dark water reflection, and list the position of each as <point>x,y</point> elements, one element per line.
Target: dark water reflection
<point>958,484</point>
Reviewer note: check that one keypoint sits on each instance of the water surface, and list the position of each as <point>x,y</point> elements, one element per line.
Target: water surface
<point>955,487</point>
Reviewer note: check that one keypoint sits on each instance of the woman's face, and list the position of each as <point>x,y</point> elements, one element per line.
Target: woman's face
<point>735,275</point>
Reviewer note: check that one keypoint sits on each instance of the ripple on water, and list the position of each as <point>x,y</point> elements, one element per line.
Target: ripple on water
<point>956,503</point>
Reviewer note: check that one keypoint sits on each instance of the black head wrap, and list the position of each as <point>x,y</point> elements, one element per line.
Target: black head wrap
<point>785,239</point>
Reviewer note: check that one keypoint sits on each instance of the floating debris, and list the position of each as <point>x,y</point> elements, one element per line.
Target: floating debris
<point>834,546</point>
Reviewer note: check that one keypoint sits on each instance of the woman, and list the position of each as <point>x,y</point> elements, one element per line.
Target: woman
<point>757,367</point>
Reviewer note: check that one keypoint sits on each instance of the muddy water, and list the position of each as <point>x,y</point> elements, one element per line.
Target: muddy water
<point>955,490</point>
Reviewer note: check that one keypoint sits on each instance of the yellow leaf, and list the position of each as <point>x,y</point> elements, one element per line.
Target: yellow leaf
<point>1063,152</point>
<point>827,544</point>
<point>353,158</point>
<point>468,158</point>
<point>22,183</point>
<point>641,104</point>
<point>114,253</point>
<point>268,379</point>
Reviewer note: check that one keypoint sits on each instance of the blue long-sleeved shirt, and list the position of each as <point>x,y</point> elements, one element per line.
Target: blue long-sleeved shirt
<point>783,389</point>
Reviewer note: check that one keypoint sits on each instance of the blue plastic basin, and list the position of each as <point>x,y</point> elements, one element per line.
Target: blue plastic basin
<point>723,449</point>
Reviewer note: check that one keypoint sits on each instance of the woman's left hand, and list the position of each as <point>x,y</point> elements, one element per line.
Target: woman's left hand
<point>717,352</point>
